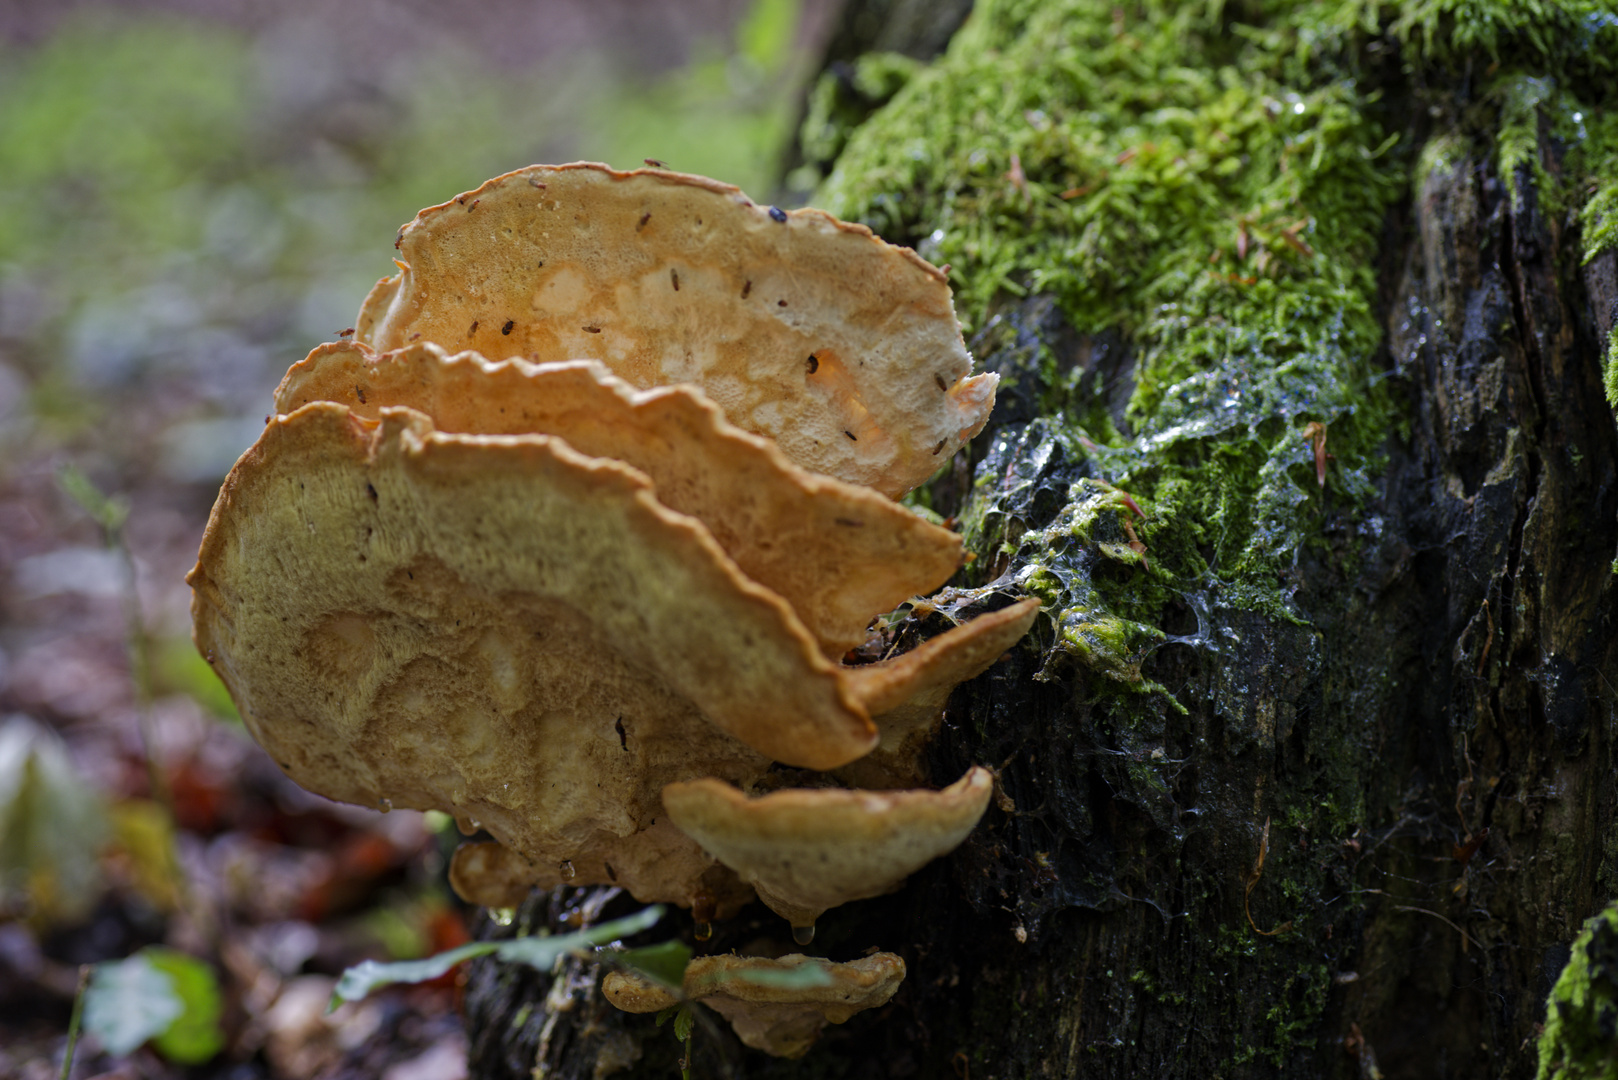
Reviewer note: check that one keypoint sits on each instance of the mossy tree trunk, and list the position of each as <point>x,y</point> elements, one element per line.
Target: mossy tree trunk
<point>1323,784</point>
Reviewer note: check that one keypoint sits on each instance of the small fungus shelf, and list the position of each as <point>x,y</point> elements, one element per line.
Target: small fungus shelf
<point>776,1005</point>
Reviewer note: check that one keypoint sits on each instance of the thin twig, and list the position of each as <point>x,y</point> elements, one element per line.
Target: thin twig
<point>110,514</point>
<point>1252,881</point>
<point>1423,911</point>
<point>140,673</point>
<point>78,1016</point>
<point>1488,640</point>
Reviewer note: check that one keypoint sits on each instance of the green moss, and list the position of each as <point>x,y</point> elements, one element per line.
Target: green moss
<point>1290,1024</point>
<point>1442,153</point>
<point>1145,983</point>
<point>1209,182</point>
<point>1548,34</point>
<point>1148,147</point>
<point>1599,217</point>
<point>1294,1021</point>
<point>1523,97</point>
<point>1612,370</point>
<point>1588,131</point>
<point>1210,189</point>
<point>1580,1041</point>
<point>1536,112</point>
<point>839,102</point>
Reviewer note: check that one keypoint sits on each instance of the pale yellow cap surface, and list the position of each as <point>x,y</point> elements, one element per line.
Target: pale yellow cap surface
<point>810,849</point>
<point>503,629</point>
<point>769,1002</point>
<point>810,331</point>
<point>839,554</point>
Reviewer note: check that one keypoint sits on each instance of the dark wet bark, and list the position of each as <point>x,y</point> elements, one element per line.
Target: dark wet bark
<point>1432,751</point>
<point>919,29</point>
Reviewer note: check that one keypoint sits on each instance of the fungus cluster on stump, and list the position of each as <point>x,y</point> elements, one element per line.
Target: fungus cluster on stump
<point>571,539</point>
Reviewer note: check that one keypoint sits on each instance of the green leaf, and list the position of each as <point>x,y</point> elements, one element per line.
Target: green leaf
<point>159,996</point>
<point>683,1022</point>
<point>130,1002</point>
<point>52,823</point>
<point>194,1036</point>
<point>539,952</point>
<point>664,962</point>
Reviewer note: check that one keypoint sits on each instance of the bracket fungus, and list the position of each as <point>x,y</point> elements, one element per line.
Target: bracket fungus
<point>535,587</point>
<point>806,850</point>
<point>778,1006</point>
<point>836,552</point>
<point>802,328</point>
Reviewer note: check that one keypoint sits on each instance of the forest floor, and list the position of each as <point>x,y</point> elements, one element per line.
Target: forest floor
<point>193,203</point>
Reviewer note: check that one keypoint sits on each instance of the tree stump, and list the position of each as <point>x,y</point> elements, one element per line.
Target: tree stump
<point>1320,783</point>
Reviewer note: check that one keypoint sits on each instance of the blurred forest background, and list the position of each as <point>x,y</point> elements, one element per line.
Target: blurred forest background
<point>193,194</point>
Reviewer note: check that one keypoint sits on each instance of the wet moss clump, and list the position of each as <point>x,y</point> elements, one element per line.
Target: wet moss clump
<point>1209,193</point>
<point>1581,1017</point>
<point>1584,127</point>
<point>1207,185</point>
<point>1591,131</point>
<point>1570,38</point>
<point>1546,95</point>
<point>1578,178</point>
<point>1599,217</point>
